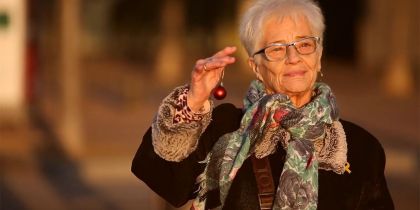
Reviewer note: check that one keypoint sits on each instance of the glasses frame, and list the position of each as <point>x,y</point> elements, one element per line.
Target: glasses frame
<point>287,45</point>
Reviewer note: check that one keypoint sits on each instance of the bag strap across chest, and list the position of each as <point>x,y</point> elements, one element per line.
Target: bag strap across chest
<point>265,183</point>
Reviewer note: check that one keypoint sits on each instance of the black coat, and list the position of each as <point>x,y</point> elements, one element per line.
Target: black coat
<point>364,188</point>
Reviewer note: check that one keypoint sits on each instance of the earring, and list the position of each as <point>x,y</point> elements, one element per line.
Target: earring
<point>220,92</point>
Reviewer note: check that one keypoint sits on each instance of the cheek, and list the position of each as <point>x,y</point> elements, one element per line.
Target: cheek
<point>272,77</point>
<point>269,73</point>
<point>313,74</point>
<point>317,65</point>
<point>314,65</point>
<point>313,62</point>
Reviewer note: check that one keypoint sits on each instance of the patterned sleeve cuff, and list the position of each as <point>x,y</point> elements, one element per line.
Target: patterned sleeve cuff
<point>183,113</point>
<point>176,128</point>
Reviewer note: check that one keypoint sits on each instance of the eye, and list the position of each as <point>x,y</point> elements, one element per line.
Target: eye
<point>275,49</point>
<point>305,44</point>
<point>275,52</point>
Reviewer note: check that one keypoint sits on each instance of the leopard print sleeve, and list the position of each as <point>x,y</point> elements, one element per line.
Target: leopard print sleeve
<point>176,128</point>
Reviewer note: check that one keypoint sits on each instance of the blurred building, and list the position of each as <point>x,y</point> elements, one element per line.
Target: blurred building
<point>13,29</point>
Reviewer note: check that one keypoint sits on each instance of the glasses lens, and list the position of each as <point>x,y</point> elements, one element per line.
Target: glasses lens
<point>275,52</point>
<point>306,46</point>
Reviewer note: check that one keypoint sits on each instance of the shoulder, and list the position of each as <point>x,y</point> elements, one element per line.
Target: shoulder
<point>358,136</point>
<point>364,150</point>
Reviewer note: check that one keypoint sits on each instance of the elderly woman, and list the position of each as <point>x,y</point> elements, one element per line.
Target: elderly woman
<point>285,149</point>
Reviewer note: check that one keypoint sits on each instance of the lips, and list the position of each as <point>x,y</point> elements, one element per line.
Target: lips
<point>296,73</point>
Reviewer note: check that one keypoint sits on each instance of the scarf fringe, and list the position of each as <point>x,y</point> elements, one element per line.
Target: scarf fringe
<point>340,155</point>
<point>268,146</point>
<point>201,179</point>
<point>335,155</point>
<point>200,200</point>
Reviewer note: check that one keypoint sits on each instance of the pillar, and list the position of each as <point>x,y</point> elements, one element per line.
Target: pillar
<point>170,53</point>
<point>12,58</point>
<point>70,78</point>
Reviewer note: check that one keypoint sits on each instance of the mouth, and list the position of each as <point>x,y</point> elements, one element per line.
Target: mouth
<point>298,73</point>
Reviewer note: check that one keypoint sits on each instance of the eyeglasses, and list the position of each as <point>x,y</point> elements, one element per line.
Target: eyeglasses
<point>278,51</point>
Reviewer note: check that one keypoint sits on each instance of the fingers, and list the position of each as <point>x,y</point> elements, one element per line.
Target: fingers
<point>225,52</point>
<point>218,61</point>
<point>214,63</point>
<point>200,62</point>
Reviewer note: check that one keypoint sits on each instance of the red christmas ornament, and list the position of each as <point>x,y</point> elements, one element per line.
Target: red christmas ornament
<point>219,92</point>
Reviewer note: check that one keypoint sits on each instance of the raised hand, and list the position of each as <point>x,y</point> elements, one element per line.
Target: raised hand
<point>206,75</point>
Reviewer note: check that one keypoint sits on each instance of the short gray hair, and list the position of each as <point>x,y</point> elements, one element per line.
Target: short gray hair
<point>253,19</point>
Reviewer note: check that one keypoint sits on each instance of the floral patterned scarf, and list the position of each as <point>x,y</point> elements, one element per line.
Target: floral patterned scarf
<point>270,116</point>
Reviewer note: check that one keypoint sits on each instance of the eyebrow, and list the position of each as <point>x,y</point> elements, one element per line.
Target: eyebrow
<point>284,41</point>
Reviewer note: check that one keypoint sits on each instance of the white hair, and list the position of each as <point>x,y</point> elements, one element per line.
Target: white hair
<point>261,10</point>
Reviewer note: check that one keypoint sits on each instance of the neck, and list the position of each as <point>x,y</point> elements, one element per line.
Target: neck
<point>300,99</point>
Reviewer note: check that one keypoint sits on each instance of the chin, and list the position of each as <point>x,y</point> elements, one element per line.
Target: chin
<point>296,87</point>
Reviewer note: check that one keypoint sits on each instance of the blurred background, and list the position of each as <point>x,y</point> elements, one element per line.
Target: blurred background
<point>80,82</point>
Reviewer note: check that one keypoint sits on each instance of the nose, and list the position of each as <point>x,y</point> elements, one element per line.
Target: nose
<point>292,55</point>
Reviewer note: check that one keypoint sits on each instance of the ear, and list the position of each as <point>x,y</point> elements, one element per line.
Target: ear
<point>254,67</point>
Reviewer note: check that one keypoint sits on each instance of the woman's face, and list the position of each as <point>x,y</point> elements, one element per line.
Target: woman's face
<point>295,74</point>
